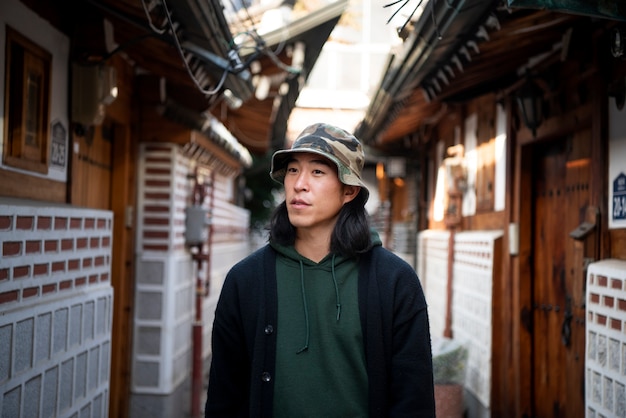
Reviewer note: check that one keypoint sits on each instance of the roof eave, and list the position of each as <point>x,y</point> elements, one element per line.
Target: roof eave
<point>433,31</point>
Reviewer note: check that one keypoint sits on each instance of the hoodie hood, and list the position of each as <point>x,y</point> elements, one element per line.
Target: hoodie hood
<point>291,253</point>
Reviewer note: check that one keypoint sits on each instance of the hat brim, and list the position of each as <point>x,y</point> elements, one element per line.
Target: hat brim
<point>281,158</point>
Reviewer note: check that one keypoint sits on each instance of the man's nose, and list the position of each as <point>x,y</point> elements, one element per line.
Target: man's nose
<point>302,181</point>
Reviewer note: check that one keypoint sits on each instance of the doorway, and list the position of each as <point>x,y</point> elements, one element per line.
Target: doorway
<point>562,243</point>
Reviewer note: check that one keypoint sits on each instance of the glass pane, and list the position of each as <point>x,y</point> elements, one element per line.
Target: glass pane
<point>33,95</point>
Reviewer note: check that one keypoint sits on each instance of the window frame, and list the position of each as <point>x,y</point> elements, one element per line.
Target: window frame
<point>27,104</point>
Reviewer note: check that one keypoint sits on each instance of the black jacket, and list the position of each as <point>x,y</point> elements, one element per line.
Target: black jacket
<point>395,327</point>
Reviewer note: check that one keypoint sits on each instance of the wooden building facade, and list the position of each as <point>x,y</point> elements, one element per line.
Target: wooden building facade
<point>511,124</point>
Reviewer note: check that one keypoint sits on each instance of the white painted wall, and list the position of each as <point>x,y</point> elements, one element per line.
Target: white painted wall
<point>617,157</point>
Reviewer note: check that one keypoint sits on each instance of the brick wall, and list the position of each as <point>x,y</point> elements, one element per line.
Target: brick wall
<point>605,356</point>
<point>165,277</point>
<point>56,302</point>
<point>166,271</point>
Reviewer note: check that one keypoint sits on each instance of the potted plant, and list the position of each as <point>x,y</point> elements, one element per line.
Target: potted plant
<point>449,364</point>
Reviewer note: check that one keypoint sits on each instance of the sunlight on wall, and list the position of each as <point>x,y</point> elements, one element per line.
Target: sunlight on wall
<point>438,207</point>
<point>471,161</point>
<point>500,160</point>
<point>439,198</point>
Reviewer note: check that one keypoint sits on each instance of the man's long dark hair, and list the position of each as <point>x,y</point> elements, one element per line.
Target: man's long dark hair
<point>350,237</point>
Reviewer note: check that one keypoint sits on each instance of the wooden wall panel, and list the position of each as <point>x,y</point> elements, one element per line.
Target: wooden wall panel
<point>14,184</point>
<point>485,108</point>
<point>91,170</point>
<point>618,243</point>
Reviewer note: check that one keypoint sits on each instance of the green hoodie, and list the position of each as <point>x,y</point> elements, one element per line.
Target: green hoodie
<point>320,360</point>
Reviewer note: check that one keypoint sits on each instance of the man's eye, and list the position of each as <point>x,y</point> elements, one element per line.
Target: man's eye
<point>318,172</point>
<point>291,170</point>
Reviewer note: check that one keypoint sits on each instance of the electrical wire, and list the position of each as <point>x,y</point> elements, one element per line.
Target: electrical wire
<point>397,10</point>
<point>253,33</point>
<point>408,19</point>
<point>260,48</point>
<point>406,22</point>
<point>160,31</point>
<point>179,47</point>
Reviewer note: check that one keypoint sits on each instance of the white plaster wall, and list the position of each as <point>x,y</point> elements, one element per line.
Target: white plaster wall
<point>617,155</point>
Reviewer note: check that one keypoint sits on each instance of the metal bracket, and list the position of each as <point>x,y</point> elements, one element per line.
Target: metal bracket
<point>582,231</point>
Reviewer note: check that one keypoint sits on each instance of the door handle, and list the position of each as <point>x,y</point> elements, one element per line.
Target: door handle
<point>566,327</point>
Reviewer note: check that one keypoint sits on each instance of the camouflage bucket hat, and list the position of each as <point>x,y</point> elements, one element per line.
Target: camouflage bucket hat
<point>334,143</point>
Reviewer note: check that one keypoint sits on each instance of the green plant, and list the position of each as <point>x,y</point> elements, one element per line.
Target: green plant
<point>449,361</point>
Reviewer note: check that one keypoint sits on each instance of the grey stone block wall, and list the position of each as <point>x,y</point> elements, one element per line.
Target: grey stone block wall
<point>56,305</point>
<point>55,358</point>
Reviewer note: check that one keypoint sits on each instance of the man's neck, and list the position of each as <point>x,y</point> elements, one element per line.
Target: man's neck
<point>314,246</point>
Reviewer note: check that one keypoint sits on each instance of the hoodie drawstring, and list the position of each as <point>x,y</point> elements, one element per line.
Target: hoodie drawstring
<point>306,308</point>
<point>306,311</point>
<point>338,302</point>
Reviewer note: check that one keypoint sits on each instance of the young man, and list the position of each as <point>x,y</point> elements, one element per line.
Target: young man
<point>323,321</point>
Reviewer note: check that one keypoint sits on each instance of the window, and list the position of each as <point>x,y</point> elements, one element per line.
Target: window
<point>27,104</point>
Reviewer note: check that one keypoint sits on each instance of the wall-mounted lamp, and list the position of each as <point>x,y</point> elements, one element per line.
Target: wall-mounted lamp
<point>530,101</point>
<point>618,42</point>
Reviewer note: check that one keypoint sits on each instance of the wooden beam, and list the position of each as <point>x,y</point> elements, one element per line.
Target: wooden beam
<point>24,186</point>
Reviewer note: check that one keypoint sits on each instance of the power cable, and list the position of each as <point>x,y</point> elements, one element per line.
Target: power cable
<point>146,10</point>
<point>179,47</point>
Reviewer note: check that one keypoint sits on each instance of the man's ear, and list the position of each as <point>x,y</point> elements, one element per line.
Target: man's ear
<point>350,192</point>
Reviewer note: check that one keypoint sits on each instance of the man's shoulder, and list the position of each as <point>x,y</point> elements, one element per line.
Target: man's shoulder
<point>383,254</point>
<point>256,258</point>
<point>381,257</point>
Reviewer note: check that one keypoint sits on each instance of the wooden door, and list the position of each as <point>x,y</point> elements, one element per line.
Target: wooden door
<point>561,205</point>
<point>102,177</point>
<point>91,167</point>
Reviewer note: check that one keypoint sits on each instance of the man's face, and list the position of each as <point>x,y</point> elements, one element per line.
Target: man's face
<point>313,193</point>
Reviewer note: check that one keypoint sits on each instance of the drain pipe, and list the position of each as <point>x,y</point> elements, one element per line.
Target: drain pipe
<point>202,288</point>
<point>447,332</point>
<point>196,367</point>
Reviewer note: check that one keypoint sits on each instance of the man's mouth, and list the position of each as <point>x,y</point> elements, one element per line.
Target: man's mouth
<point>298,203</point>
